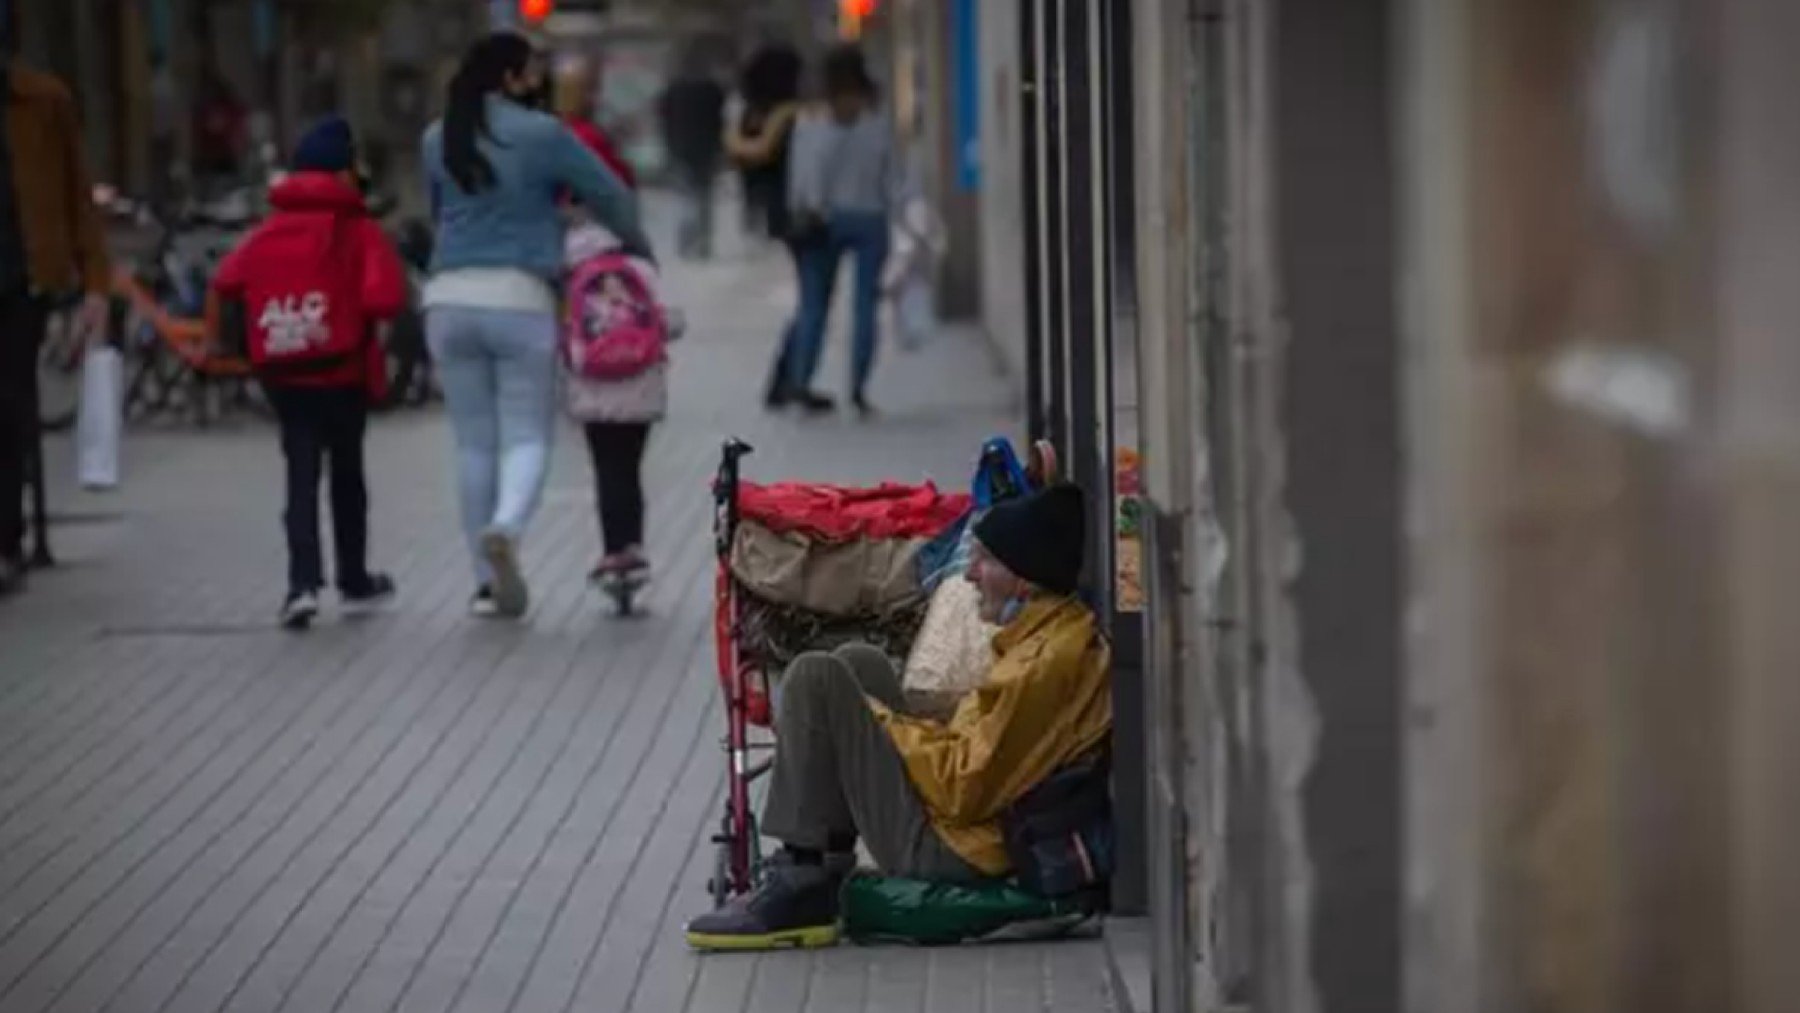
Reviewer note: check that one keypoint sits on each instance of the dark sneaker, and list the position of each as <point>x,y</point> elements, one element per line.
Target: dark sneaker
<point>863,407</point>
<point>375,591</point>
<point>795,908</point>
<point>12,576</point>
<point>299,610</point>
<point>511,597</point>
<point>814,403</point>
<point>482,605</point>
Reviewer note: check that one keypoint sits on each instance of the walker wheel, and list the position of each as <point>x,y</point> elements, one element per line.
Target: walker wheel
<point>719,886</point>
<point>623,592</point>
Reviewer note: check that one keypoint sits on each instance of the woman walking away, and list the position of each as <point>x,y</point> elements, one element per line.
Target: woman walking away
<point>758,144</point>
<point>497,167</point>
<point>843,183</point>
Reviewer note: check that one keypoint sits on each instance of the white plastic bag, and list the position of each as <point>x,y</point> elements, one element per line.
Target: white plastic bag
<point>98,426</point>
<point>954,650</point>
<point>918,244</point>
<point>914,314</point>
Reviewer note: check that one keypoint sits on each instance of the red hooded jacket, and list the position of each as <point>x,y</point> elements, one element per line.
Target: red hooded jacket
<point>597,142</point>
<point>334,207</point>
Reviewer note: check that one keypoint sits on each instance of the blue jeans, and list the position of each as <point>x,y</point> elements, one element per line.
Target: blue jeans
<point>498,368</point>
<point>863,235</point>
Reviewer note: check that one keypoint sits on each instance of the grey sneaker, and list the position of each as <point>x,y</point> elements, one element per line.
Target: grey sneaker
<point>795,908</point>
<point>511,597</point>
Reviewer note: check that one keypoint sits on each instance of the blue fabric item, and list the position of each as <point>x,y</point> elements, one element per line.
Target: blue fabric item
<point>1010,611</point>
<point>999,476</point>
<point>328,146</point>
<point>947,555</point>
<point>518,221</point>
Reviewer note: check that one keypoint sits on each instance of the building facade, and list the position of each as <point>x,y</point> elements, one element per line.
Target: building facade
<point>1449,341</point>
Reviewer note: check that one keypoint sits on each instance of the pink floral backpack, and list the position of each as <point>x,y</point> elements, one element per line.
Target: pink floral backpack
<point>614,327</point>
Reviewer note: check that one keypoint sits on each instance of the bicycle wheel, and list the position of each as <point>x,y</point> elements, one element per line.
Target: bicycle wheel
<point>156,380</point>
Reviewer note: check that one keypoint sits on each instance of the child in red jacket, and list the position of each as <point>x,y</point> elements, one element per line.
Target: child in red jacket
<point>314,280</point>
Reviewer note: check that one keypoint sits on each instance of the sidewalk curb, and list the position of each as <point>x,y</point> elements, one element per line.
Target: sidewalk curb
<point>1128,963</point>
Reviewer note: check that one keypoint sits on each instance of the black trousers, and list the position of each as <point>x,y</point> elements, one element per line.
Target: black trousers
<point>22,322</point>
<point>323,427</point>
<point>778,371</point>
<point>617,449</point>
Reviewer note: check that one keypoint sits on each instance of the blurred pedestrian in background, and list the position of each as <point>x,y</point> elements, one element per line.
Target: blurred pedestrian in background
<point>221,131</point>
<point>578,103</point>
<point>499,166</point>
<point>692,110</point>
<point>844,182</point>
<point>759,144</point>
<point>51,245</point>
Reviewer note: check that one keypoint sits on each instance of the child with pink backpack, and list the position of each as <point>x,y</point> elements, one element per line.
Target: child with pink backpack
<point>615,337</point>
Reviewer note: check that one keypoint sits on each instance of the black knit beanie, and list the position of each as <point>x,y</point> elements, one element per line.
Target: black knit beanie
<point>1040,537</point>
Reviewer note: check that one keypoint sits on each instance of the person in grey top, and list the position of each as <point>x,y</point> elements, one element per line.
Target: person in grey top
<point>843,182</point>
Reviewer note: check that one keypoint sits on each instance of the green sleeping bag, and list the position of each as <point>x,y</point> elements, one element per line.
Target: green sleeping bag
<point>888,909</point>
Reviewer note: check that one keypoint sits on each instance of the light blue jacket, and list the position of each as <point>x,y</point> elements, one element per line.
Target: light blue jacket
<point>518,222</point>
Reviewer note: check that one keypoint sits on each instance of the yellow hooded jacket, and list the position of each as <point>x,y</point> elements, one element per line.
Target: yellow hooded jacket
<point>1047,701</point>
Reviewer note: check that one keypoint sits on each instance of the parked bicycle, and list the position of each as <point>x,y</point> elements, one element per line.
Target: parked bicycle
<point>160,298</point>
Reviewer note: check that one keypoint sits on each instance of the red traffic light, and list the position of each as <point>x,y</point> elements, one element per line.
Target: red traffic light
<point>536,10</point>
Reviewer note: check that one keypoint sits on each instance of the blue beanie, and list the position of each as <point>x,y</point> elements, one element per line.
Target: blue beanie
<point>327,147</point>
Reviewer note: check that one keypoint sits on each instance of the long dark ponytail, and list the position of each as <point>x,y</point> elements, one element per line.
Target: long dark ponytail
<point>484,69</point>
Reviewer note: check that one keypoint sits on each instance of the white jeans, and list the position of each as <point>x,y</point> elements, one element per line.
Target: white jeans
<point>498,369</point>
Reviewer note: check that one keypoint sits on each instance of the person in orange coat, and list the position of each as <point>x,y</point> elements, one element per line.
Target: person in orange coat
<point>51,245</point>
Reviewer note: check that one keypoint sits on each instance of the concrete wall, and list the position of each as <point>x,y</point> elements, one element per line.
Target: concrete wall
<point>1001,207</point>
<point>1603,200</point>
<point>1759,371</point>
<point>1339,415</point>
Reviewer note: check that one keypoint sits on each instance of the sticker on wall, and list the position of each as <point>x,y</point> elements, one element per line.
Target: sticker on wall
<point>1128,539</point>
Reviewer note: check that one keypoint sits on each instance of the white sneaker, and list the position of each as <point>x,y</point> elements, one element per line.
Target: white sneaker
<point>482,605</point>
<point>300,609</point>
<point>511,596</point>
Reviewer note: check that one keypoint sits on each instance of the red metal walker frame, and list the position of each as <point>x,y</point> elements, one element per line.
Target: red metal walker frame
<point>746,698</point>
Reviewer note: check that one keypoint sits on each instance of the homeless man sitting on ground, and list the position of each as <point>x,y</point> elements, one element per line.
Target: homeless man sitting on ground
<point>926,797</point>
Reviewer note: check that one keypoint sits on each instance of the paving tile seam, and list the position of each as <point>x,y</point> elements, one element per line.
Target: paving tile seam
<point>660,646</point>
